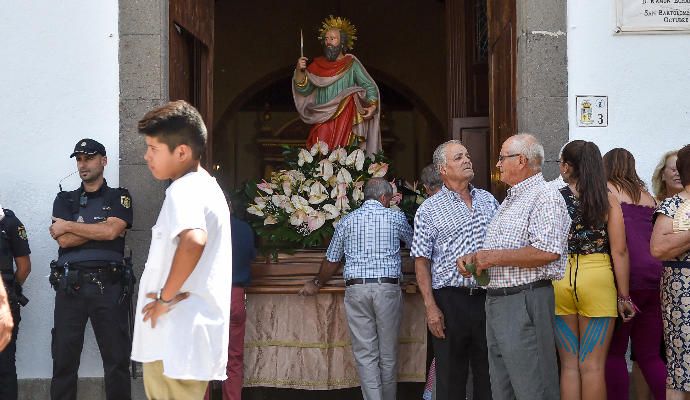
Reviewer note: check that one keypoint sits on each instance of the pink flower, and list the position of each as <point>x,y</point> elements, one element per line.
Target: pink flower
<point>266,187</point>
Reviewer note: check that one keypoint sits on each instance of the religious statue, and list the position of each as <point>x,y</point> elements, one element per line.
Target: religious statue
<point>335,94</point>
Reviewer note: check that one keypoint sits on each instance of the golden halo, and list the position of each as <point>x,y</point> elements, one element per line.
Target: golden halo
<point>341,24</point>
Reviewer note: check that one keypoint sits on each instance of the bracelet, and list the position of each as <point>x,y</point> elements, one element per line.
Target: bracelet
<point>317,282</point>
<point>159,298</point>
<point>303,83</point>
<point>624,299</point>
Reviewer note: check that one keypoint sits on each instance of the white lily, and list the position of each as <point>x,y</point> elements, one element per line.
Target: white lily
<point>295,175</point>
<point>298,217</point>
<point>317,193</point>
<point>344,176</point>
<point>282,201</point>
<point>325,169</point>
<point>339,190</point>
<point>319,147</point>
<point>331,211</point>
<point>270,220</point>
<point>287,188</point>
<point>357,191</point>
<point>300,203</point>
<point>342,204</point>
<point>305,186</point>
<point>316,220</point>
<point>356,158</point>
<point>255,210</point>
<point>339,155</point>
<point>304,157</point>
<point>378,170</point>
<point>260,202</point>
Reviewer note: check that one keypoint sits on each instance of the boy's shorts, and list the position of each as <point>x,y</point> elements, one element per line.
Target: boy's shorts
<point>160,387</point>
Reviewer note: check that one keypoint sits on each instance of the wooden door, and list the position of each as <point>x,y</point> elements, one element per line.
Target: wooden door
<point>468,86</point>
<point>474,134</point>
<point>467,62</point>
<point>502,81</point>
<point>191,59</point>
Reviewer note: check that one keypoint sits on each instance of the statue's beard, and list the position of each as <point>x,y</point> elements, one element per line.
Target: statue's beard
<point>332,52</point>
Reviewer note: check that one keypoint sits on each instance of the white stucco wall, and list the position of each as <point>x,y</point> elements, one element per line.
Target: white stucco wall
<point>58,83</point>
<point>645,76</point>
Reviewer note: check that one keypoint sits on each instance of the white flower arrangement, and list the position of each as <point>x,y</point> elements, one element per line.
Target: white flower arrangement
<point>303,204</point>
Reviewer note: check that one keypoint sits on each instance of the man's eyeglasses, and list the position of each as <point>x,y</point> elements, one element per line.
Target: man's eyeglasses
<point>501,158</point>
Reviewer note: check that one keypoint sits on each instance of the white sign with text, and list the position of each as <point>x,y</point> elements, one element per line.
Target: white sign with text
<point>652,16</point>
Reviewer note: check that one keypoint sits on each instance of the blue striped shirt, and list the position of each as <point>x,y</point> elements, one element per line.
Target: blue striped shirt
<point>369,238</point>
<point>446,229</point>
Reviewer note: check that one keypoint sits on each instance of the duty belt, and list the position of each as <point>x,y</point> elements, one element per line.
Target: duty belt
<point>70,277</point>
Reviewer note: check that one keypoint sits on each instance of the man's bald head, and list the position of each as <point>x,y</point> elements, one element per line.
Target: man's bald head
<point>527,145</point>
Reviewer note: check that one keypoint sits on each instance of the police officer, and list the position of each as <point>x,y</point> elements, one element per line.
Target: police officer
<point>14,252</point>
<point>89,224</point>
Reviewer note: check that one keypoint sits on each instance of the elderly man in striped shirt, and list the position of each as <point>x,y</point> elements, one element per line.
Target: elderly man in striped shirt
<point>448,225</point>
<point>369,238</point>
<point>524,250</point>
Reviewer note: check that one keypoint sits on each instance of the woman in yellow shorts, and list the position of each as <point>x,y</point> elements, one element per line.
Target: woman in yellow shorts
<point>588,298</point>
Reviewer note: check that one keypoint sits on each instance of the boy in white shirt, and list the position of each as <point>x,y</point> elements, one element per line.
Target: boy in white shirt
<point>181,334</point>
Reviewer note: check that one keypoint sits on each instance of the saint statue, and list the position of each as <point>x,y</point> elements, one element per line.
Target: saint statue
<point>335,94</point>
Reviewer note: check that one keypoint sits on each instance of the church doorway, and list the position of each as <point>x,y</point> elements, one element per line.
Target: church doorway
<point>445,69</point>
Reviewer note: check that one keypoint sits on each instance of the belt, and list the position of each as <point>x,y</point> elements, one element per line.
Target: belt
<point>469,291</point>
<point>359,281</point>
<point>94,265</point>
<point>517,289</point>
<point>676,264</point>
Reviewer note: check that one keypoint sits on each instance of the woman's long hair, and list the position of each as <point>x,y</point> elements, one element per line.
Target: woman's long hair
<point>619,165</point>
<point>587,170</point>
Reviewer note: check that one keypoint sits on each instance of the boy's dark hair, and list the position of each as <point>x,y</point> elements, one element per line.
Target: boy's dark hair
<point>174,124</point>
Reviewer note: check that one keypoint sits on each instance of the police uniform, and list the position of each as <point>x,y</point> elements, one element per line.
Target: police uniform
<point>89,285</point>
<point>13,243</point>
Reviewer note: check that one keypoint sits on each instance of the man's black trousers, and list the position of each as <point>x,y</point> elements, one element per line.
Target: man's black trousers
<point>109,321</point>
<point>465,344</point>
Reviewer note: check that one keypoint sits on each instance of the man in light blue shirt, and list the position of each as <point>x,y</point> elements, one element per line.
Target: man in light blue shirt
<point>448,225</point>
<point>369,238</point>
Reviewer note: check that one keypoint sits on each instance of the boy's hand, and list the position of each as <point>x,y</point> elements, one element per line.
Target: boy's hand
<point>156,308</point>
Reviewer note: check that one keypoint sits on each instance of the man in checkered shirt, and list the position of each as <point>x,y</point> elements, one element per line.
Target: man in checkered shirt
<point>524,250</point>
<point>448,225</point>
<point>369,238</point>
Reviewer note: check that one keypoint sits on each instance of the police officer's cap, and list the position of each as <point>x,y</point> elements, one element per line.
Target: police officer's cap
<point>89,147</point>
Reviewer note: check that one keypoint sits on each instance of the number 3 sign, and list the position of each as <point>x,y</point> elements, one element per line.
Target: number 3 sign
<point>592,111</point>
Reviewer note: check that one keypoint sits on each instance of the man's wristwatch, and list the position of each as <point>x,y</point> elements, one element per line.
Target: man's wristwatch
<point>159,298</point>
<point>317,282</point>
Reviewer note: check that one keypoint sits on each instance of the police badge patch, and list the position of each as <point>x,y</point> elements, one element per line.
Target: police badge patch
<point>21,231</point>
<point>126,201</point>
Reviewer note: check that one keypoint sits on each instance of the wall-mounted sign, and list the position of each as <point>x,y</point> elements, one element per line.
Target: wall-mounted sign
<point>652,16</point>
<point>592,111</point>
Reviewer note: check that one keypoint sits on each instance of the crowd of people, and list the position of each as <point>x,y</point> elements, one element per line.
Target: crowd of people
<point>577,269</point>
<point>538,296</point>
